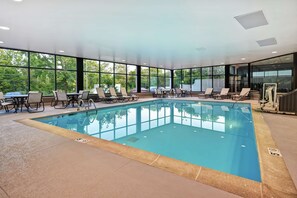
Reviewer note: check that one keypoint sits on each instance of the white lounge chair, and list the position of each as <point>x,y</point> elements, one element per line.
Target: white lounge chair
<point>243,94</point>
<point>223,94</point>
<point>102,97</point>
<point>124,94</point>
<point>114,94</point>
<point>207,93</point>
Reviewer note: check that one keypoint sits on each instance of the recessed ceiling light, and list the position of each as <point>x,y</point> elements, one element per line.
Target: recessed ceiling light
<point>18,0</point>
<point>62,51</point>
<point>1,42</point>
<point>274,52</point>
<point>222,63</point>
<point>242,58</point>
<point>4,28</point>
<point>144,63</point>
<point>123,60</point>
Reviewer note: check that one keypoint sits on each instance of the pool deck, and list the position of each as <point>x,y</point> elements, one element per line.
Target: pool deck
<point>35,163</point>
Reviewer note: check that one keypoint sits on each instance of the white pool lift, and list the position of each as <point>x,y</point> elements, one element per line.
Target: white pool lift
<point>269,97</point>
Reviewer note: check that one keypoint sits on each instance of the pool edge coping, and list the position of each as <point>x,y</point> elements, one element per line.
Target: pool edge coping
<point>272,182</point>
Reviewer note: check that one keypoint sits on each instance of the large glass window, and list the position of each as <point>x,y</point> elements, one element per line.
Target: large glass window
<point>131,78</point>
<point>196,79</point>
<point>91,65</point>
<point>145,83</point>
<point>106,78</point>
<point>186,79</point>
<point>153,79</point>
<point>120,68</point>
<point>42,60</point>
<point>42,73</point>
<point>91,81</point>
<point>206,78</point>
<point>66,73</point>
<point>153,83</point>
<point>218,78</point>
<point>161,78</point>
<point>168,79</point>
<point>42,80</point>
<point>13,58</point>
<point>106,67</point>
<point>145,80</point>
<point>177,78</point>
<point>106,81</point>
<point>275,70</point>
<point>238,78</point>
<point>91,75</point>
<point>15,77</point>
<point>120,81</point>
<point>120,76</point>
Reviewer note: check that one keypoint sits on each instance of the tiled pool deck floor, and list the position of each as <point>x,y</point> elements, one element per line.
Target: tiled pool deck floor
<point>34,163</point>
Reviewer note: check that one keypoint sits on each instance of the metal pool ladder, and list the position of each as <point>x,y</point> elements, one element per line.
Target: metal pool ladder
<point>87,105</point>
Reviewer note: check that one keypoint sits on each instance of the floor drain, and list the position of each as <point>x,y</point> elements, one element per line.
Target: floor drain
<point>81,140</point>
<point>274,152</point>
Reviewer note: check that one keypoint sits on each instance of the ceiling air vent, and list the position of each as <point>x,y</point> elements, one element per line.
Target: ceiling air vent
<point>267,42</point>
<point>252,20</point>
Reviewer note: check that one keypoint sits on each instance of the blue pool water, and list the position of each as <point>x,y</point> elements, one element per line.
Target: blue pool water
<point>216,135</point>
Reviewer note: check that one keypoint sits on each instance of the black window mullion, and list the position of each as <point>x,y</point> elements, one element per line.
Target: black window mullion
<point>29,76</point>
<point>201,78</point>
<point>191,79</point>
<point>99,73</point>
<point>55,60</point>
<point>126,80</point>
<point>114,74</point>
<point>149,78</point>
<point>212,77</point>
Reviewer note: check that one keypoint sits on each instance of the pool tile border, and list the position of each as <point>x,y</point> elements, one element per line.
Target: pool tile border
<point>276,180</point>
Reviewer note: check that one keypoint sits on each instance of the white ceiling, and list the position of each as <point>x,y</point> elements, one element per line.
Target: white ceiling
<point>167,33</point>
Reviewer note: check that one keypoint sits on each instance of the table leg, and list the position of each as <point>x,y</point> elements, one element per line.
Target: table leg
<point>17,104</point>
<point>22,102</point>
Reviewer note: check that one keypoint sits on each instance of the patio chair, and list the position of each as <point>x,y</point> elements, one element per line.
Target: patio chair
<point>159,93</point>
<point>34,102</point>
<point>243,94</point>
<point>207,93</point>
<point>102,97</point>
<point>132,96</point>
<point>60,96</point>
<point>124,94</point>
<point>4,104</point>
<point>83,98</point>
<point>114,94</point>
<point>223,94</point>
<point>178,92</point>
